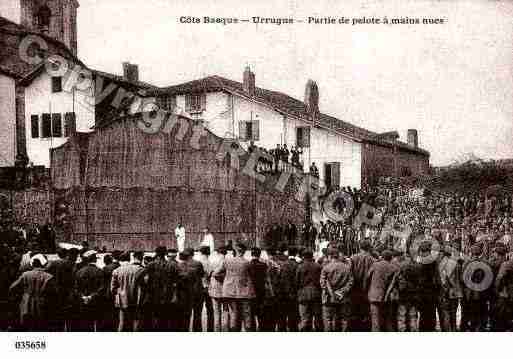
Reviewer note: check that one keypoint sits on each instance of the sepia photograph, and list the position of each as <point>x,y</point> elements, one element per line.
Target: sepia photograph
<point>171,166</point>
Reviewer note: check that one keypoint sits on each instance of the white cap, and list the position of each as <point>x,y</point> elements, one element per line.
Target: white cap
<point>90,253</point>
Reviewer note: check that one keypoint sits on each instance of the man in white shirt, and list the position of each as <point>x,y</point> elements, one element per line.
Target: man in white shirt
<point>207,240</point>
<point>180,237</point>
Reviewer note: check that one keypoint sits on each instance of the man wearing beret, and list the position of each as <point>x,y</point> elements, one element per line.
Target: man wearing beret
<point>161,278</point>
<point>379,279</point>
<point>360,265</point>
<point>37,291</point>
<point>336,284</point>
<point>90,287</point>
<point>125,284</point>
<point>504,291</point>
<point>476,272</point>
<point>498,257</point>
<point>197,282</point>
<point>308,283</point>
<point>429,287</point>
<point>451,293</point>
<point>408,287</point>
<point>285,290</point>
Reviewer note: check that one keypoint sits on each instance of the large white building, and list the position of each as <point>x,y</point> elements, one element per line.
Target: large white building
<point>343,153</point>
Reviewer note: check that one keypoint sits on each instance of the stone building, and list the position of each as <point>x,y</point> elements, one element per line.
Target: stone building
<point>55,18</point>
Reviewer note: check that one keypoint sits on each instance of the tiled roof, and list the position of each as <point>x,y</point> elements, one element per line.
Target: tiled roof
<point>11,35</point>
<point>122,81</point>
<point>285,104</point>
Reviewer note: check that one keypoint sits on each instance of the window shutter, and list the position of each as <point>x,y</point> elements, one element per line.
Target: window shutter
<point>242,131</point>
<point>335,175</point>
<point>256,130</point>
<point>56,84</point>
<point>171,103</point>
<point>70,124</point>
<point>188,100</point>
<point>306,137</point>
<point>56,125</point>
<point>161,102</point>
<point>34,124</point>
<point>46,126</point>
<point>203,100</point>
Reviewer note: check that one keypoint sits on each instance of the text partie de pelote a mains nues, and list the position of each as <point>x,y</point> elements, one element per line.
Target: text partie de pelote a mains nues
<point>315,20</point>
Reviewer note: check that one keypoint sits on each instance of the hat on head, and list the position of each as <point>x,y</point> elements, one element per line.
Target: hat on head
<point>240,246</point>
<point>189,252</point>
<point>205,250</point>
<point>476,249</point>
<point>387,254</point>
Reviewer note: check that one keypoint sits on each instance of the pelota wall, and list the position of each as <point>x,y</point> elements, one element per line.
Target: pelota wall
<point>128,189</point>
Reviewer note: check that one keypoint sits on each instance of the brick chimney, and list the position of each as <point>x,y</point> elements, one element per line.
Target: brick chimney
<point>312,97</point>
<point>248,82</point>
<point>413,138</point>
<point>130,72</point>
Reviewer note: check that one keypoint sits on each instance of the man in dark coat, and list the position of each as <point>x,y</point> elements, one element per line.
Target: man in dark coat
<point>429,288</point>
<point>161,287</point>
<point>408,287</point>
<point>258,274</point>
<point>291,234</point>
<point>286,291</point>
<point>47,239</point>
<point>8,274</point>
<point>504,290</point>
<point>360,265</point>
<point>109,311</point>
<point>62,270</point>
<point>379,279</point>
<point>196,275</point>
<point>90,289</point>
<point>475,306</point>
<point>308,279</point>
<point>498,257</point>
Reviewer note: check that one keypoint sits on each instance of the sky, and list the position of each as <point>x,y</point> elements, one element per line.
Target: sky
<point>453,82</point>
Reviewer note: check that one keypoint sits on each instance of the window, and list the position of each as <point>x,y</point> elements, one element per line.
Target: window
<point>195,102</point>
<point>56,84</point>
<point>332,175</point>
<point>167,103</point>
<point>43,17</point>
<point>34,125</point>
<point>56,125</point>
<point>249,130</point>
<point>47,126</point>
<point>303,137</point>
<point>70,124</point>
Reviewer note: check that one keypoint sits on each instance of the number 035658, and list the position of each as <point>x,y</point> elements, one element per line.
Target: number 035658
<point>29,345</point>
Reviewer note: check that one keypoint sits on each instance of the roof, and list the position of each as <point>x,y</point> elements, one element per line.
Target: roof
<point>11,36</point>
<point>285,104</point>
<point>122,81</point>
<point>11,64</point>
<point>389,135</point>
